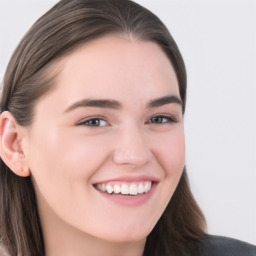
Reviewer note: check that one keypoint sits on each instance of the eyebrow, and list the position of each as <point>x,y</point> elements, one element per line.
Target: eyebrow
<point>164,100</point>
<point>113,104</point>
<point>99,103</point>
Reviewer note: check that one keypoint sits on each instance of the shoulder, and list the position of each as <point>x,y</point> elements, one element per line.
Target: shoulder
<point>3,251</point>
<point>224,246</point>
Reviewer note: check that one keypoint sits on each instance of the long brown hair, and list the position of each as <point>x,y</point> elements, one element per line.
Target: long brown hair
<point>67,25</point>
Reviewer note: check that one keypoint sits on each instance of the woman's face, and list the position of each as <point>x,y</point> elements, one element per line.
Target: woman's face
<point>113,122</point>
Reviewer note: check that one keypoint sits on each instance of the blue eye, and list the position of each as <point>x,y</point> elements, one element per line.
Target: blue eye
<point>161,120</point>
<point>94,122</point>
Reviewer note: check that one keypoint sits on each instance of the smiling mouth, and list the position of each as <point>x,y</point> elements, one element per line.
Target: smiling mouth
<point>126,189</point>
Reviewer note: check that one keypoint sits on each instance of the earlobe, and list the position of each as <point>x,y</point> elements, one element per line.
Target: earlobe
<point>11,149</point>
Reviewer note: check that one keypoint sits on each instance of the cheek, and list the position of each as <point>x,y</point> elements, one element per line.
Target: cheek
<point>62,163</point>
<point>82,156</point>
<point>171,153</point>
<point>171,157</point>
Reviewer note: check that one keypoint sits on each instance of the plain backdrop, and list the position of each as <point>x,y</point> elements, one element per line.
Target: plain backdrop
<point>218,43</point>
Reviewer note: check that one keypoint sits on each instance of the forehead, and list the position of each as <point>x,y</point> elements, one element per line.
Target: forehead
<point>114,66</point>
<point>117,58</point>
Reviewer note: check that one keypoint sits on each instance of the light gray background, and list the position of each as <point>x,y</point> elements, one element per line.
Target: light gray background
<point>218,42</point>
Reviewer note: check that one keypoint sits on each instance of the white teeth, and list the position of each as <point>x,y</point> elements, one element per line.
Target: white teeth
<point>103,187</point>
<point>134,189</point>
<point>147,186</point>
<point>124,189</point>
<point>117,189</point>
<point>140,189</point>
<point>109,189</point>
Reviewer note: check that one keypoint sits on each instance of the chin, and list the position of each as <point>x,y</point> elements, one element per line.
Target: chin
<point>126,239</point>
<point>127,236</point>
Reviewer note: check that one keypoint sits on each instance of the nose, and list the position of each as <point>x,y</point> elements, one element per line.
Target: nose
<point>131,148</point>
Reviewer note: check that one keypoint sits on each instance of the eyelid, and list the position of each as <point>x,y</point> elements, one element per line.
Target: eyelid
<point>170,118</point>
<point>83,121</point>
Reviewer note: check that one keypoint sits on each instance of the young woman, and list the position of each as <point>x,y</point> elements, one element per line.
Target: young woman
<point>92,139</point>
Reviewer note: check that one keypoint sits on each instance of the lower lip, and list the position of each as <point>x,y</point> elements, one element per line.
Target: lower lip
<point>138,200</point>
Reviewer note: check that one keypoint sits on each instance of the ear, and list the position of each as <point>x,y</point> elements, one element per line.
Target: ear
<point>11,145</point>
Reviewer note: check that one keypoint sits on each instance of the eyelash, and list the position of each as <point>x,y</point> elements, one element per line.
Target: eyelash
<point>163,118</point>
<point>94,119</point>
<point>168,119</point>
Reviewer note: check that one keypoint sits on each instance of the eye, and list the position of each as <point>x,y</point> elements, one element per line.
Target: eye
<point>161,119</point>
<point>94,122</point>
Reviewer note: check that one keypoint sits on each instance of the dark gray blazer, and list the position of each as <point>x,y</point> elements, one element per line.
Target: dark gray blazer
<point>224,246</point>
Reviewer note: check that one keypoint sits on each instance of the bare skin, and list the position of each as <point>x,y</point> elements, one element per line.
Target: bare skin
<point>113,119</point>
